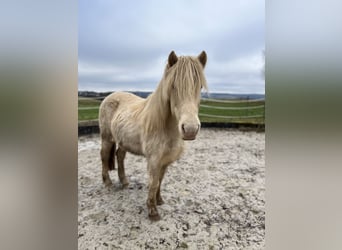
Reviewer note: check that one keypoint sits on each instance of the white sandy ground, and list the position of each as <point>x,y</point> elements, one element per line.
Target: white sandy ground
<point>214,197</point>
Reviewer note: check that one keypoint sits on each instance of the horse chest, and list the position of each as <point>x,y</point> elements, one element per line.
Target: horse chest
<point>164,152</point>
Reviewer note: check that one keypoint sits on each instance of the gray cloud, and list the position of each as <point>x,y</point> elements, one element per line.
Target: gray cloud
<point>125,46</point>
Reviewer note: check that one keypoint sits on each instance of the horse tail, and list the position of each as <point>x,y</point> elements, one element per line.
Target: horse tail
<point>111,160</point>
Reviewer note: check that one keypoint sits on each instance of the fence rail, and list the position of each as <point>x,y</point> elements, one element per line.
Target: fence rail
<point>233,101</point>
<point>88,108</point>
<point>232,108</point>
<point>223,113</point>
<point>232,117</point>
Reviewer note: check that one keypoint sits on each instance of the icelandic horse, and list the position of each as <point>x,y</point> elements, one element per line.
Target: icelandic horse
<point>154,127</point>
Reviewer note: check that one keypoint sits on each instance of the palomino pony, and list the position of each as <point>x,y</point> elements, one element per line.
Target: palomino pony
<point>154,127</point>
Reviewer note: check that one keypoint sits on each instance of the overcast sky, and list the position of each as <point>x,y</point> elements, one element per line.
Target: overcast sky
<point>124,45</point>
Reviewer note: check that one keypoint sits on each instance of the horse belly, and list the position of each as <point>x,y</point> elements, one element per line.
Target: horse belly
<point>128,138</point>
<point>132,145</point>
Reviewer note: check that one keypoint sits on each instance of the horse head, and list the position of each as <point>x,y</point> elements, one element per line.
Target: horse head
<point>186,79</point>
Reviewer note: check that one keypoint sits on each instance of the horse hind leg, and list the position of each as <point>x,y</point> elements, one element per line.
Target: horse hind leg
<point>120,156</point>
<point>111,161</point>
<point>107,158</point>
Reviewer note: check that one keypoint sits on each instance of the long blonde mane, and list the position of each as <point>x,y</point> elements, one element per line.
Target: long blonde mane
<point>185,78</point>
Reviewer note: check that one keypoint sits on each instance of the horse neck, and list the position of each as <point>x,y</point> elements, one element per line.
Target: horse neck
<point>157,111</point>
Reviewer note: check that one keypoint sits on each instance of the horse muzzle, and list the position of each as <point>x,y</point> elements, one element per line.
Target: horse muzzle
<point>189,131</point>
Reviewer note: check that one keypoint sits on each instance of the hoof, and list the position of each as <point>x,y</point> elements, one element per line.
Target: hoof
<point>154,217</point>
<point>108,183</point>
<point>124,182</point>
<point>160,201</point>
<point>153,214</point>
<point>125,185</point>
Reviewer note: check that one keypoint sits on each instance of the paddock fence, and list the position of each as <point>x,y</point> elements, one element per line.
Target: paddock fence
<point>233,110</point>
<point>244,114</point>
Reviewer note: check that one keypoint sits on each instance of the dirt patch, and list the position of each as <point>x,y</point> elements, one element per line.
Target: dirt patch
<point>214,197</point>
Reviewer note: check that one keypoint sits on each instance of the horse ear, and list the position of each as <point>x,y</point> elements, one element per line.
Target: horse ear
<point>172,58</point>
<point>203,58</point>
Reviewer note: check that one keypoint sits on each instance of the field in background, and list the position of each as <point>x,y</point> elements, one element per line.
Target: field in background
<point>88,108</point>
<point>211,110</point>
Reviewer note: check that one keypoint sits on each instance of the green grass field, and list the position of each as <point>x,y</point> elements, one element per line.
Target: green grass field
<point>88,109</point>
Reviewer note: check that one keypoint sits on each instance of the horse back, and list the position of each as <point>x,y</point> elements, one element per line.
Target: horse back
<point>123,97</point>
<point>111,104</point>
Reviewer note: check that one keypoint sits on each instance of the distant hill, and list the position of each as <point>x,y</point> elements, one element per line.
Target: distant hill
<point>144,94</point>
<point>93,94</point>
<point>232,96</point>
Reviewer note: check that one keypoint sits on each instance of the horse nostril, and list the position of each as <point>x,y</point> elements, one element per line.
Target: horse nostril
<point>183,128</point>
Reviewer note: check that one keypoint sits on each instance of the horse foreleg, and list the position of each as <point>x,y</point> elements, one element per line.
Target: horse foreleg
<point>120,155</point>
<point>107,155</point>
<point>161,176</point>
<point>152,192</point>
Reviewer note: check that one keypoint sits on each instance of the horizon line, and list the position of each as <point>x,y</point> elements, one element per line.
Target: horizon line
<point>150,91</point>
